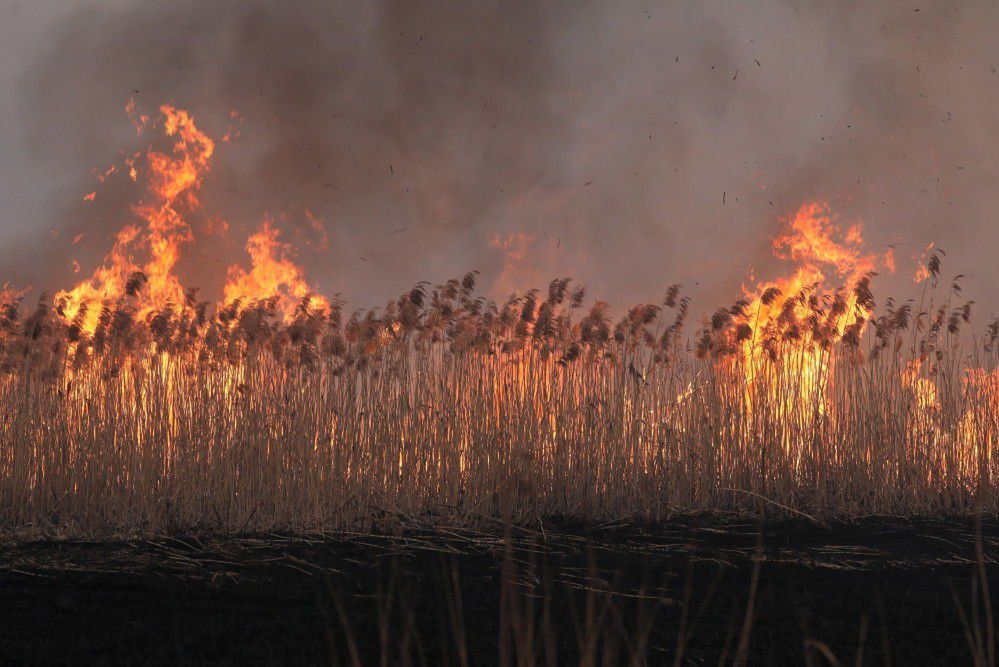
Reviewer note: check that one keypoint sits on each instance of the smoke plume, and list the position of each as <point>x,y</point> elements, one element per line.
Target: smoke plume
<point>629,146</point>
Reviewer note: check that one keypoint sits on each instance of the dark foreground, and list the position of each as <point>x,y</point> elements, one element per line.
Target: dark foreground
<point>880,591</point>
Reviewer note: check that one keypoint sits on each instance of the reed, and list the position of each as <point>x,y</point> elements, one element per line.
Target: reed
<point>445,407</point>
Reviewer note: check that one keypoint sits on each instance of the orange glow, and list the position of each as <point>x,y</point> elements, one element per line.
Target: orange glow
<point>794,320</point>
<point>778,349</point>
<point>173,180</point>
<point>785,396</point>
<point>810,240</point>
<point>138,120</point>
<point>515,248</point>
<point>923,271</point>
<point>271,274</point>
<point>9,294</point>
<point>923,389</point>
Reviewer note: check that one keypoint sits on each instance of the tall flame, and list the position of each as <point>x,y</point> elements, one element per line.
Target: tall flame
<point>796,318</point>
<point>173,179</point>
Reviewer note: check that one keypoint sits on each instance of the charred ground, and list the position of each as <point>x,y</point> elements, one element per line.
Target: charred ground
<point>883,590</point>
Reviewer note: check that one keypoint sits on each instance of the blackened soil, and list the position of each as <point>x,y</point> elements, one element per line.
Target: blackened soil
<point>884,590</point>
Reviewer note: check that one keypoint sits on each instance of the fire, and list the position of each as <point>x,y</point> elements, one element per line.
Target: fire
<point>810,239</point>
<point>138,120</point>
<point>794,311</point>
<point>172,179</point>
<point>447,388</point>
<point>780,345</point>
<point>982,417</point>
<point>271,274</point>
<point>924,390</point>
<point>924,425</point>
<point>9,294</point>
<point>923,270</point>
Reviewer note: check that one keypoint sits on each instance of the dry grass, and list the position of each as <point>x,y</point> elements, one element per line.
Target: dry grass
<point>444,408</point>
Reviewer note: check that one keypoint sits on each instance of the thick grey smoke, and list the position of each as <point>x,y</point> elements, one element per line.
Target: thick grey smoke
<point>628,145</point>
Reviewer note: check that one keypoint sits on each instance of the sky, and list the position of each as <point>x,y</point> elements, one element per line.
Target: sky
<point>628,145</point>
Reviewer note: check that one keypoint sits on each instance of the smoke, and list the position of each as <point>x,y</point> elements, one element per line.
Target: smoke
<point>629,147</point>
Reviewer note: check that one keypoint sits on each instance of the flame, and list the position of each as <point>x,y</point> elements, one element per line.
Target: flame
<point>812,240</point>
<point>922,271</point>
<point>319,227</point>
<point>778,347</point>
<point>514,247</point>
<point>103,176</point>
<point>9,293</point>
<point>138,120</point>
<point>889,260</point>
<point>785,327</point>
<point>793,320</point>
<point>923,425</point>
<point>173,180</point>
<point>982,416</point>
<point>924,390</point>
<point>271,275</point>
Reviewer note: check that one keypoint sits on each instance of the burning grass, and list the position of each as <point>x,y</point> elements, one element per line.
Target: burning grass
<point>128,405</point>
<point>445,407</point>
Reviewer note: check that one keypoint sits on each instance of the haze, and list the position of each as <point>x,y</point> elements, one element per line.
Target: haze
<point>629,145</point>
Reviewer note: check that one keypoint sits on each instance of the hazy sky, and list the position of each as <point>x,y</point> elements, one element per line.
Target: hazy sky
<point>631,145</point>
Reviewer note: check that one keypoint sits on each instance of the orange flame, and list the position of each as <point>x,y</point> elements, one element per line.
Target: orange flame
<point>781,310</point>
<point>515,248</point>
<point>922,271</point>
<point>271,275</point>
<point>174,179</point>
<point>924,390</point>
<point>813,241</point>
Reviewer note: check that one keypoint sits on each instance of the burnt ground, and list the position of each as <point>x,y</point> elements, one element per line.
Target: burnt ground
<point>883,587</point>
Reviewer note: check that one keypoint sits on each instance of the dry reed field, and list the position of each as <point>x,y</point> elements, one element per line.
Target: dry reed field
<point>461,334</point>
<point>444,408</point>
<point>809,473</point>
<point>129,406</point>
